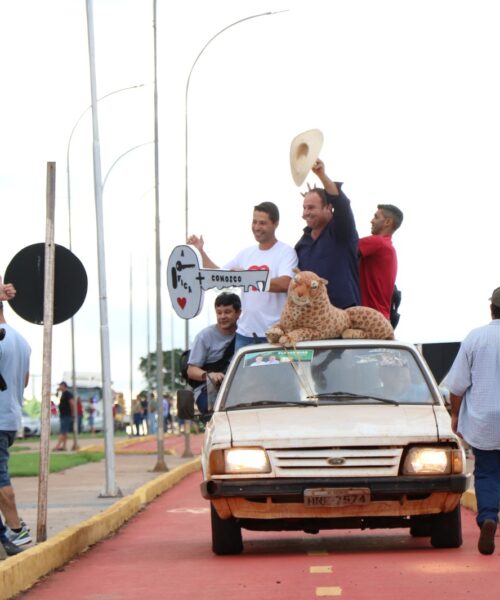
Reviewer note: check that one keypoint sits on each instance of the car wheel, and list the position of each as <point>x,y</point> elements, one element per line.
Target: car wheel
<point>226,535</point>
<point>446,529</point>
<point>420,528</point>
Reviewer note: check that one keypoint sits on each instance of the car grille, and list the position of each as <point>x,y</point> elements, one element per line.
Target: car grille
<point>336,462</point>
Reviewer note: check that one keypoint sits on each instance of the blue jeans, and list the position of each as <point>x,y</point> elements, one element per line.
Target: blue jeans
<point>243,340</point>
<point>152,423</point>
<point>202,401</point>
<point>487,484</point>
<point>3,532</point>
<point>6,440</point>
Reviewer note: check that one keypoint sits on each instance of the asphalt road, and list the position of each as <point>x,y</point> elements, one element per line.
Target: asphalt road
<point>165,552</point>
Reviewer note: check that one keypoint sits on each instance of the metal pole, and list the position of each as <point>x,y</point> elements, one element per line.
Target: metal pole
<point>48,321</point>
<point>148,355</point>
<point>131,333</point>
<point>120,157</point>
<point>186,136</point>
<point>72,320</point>
<point>160,464</point>
<point>172,353</point>
<point>68,183</point>
<point>111,489</point>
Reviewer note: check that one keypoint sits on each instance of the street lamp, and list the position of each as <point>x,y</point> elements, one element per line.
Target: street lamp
<point>186,188</point>
<point>68,183</point>
<point>120,157</point>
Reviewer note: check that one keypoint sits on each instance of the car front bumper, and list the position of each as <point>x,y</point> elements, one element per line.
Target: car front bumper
<point>284,498</point>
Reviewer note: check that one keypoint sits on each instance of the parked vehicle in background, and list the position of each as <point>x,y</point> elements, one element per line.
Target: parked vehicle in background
<point>333,434</point>
<point>31,426</point>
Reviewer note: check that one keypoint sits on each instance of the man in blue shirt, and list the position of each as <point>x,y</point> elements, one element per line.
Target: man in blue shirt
<point>474,384</point>
<point>14,371</point>
<point>329,245</point>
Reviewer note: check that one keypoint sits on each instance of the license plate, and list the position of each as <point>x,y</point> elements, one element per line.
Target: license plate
<point>336,496</point>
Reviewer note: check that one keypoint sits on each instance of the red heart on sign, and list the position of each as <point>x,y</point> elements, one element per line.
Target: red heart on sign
<point>257,268</point>
<point>181,302</point>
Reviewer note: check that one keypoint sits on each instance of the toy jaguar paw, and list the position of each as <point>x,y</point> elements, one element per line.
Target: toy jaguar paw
<point>273,335</point>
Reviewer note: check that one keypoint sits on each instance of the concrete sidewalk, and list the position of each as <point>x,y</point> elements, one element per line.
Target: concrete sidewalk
<point>78,513</point>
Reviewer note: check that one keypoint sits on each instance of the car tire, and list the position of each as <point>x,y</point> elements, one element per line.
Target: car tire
<point>446,529</point>
<point>226,535</point>
<point>420,528</point>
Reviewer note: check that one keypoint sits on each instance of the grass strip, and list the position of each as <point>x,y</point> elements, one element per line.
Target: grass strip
<point>16,448</point>
<point>27,464</point>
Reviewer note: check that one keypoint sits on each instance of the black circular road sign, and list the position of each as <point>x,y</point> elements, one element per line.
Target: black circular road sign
<point>26,271</point>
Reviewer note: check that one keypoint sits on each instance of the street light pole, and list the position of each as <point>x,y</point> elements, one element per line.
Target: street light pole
<point>186,132</point>
<point>161,465</point>
<point>120,157</point>
<point>68,184</point>
<point>111,487</point>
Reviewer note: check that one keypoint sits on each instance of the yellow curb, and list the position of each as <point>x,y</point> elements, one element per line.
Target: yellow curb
<point>121,446</point>
<point>20,572</point>
<point>99,447</point>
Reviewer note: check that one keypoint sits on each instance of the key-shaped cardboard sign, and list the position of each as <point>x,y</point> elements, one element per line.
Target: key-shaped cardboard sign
<point>187,281</point>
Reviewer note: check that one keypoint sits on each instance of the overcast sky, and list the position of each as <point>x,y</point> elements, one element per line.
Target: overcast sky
<point>406,94</point>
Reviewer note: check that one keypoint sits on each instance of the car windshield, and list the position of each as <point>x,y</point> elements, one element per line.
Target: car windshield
<point>357,375</point>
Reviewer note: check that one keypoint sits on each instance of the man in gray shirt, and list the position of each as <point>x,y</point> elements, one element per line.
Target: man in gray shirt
<point>213,347</point>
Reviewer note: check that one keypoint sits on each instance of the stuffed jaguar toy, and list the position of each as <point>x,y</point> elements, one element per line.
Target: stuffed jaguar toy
<point>309,315</point>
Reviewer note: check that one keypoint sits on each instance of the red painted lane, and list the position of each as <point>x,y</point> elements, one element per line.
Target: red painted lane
<point>164,552</point>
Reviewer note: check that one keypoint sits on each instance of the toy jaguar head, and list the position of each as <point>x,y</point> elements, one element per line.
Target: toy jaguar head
<point>306,287</point>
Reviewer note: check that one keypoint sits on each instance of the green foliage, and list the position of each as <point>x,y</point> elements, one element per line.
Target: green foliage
<point>27,464</point>
<point>32,407</point>
<point>177,380</point>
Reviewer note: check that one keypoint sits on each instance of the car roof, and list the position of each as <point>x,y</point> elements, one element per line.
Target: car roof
<point>329,343</point>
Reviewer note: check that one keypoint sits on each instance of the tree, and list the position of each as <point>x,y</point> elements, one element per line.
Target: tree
<point>168,380</point>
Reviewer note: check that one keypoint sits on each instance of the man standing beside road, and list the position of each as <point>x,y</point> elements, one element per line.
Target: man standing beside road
<point>378,262</point>
<point>213,347</point>
<point>66,414</point>
<point>329,245</point>
<point>474,384</point>
<point>260,310</point>
<point>14,371</point>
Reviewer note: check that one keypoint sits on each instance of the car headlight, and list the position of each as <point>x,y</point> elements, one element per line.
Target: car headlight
<point>239,460</point>
<point>433,461</point>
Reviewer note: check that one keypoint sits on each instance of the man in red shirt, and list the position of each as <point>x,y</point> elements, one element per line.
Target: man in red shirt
<point>378,262</point>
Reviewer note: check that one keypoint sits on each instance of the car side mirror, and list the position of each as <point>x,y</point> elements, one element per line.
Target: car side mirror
<point>185,405</point>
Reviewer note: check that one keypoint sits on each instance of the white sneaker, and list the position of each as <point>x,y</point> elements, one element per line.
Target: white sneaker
<point>21,537</point>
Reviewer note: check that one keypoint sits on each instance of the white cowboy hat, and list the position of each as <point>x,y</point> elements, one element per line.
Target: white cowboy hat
<point>304,151</point>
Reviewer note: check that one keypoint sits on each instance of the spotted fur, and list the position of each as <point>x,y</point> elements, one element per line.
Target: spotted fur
<point>309,315</point>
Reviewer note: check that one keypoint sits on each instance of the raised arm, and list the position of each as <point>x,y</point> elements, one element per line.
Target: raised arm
<point>7,290</point>
<point>319,170</point>
<point>199,243</point>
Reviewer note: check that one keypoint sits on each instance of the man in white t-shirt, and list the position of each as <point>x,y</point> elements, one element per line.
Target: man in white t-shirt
<point>260,310</point>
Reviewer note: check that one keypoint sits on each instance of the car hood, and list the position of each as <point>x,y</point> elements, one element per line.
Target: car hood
<point>341,425</point>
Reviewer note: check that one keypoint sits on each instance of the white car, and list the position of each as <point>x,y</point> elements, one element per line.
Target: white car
<point>332,434</point>
<point>30,425</point>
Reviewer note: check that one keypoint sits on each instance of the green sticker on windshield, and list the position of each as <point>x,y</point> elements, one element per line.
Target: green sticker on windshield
<point>276,357</point>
